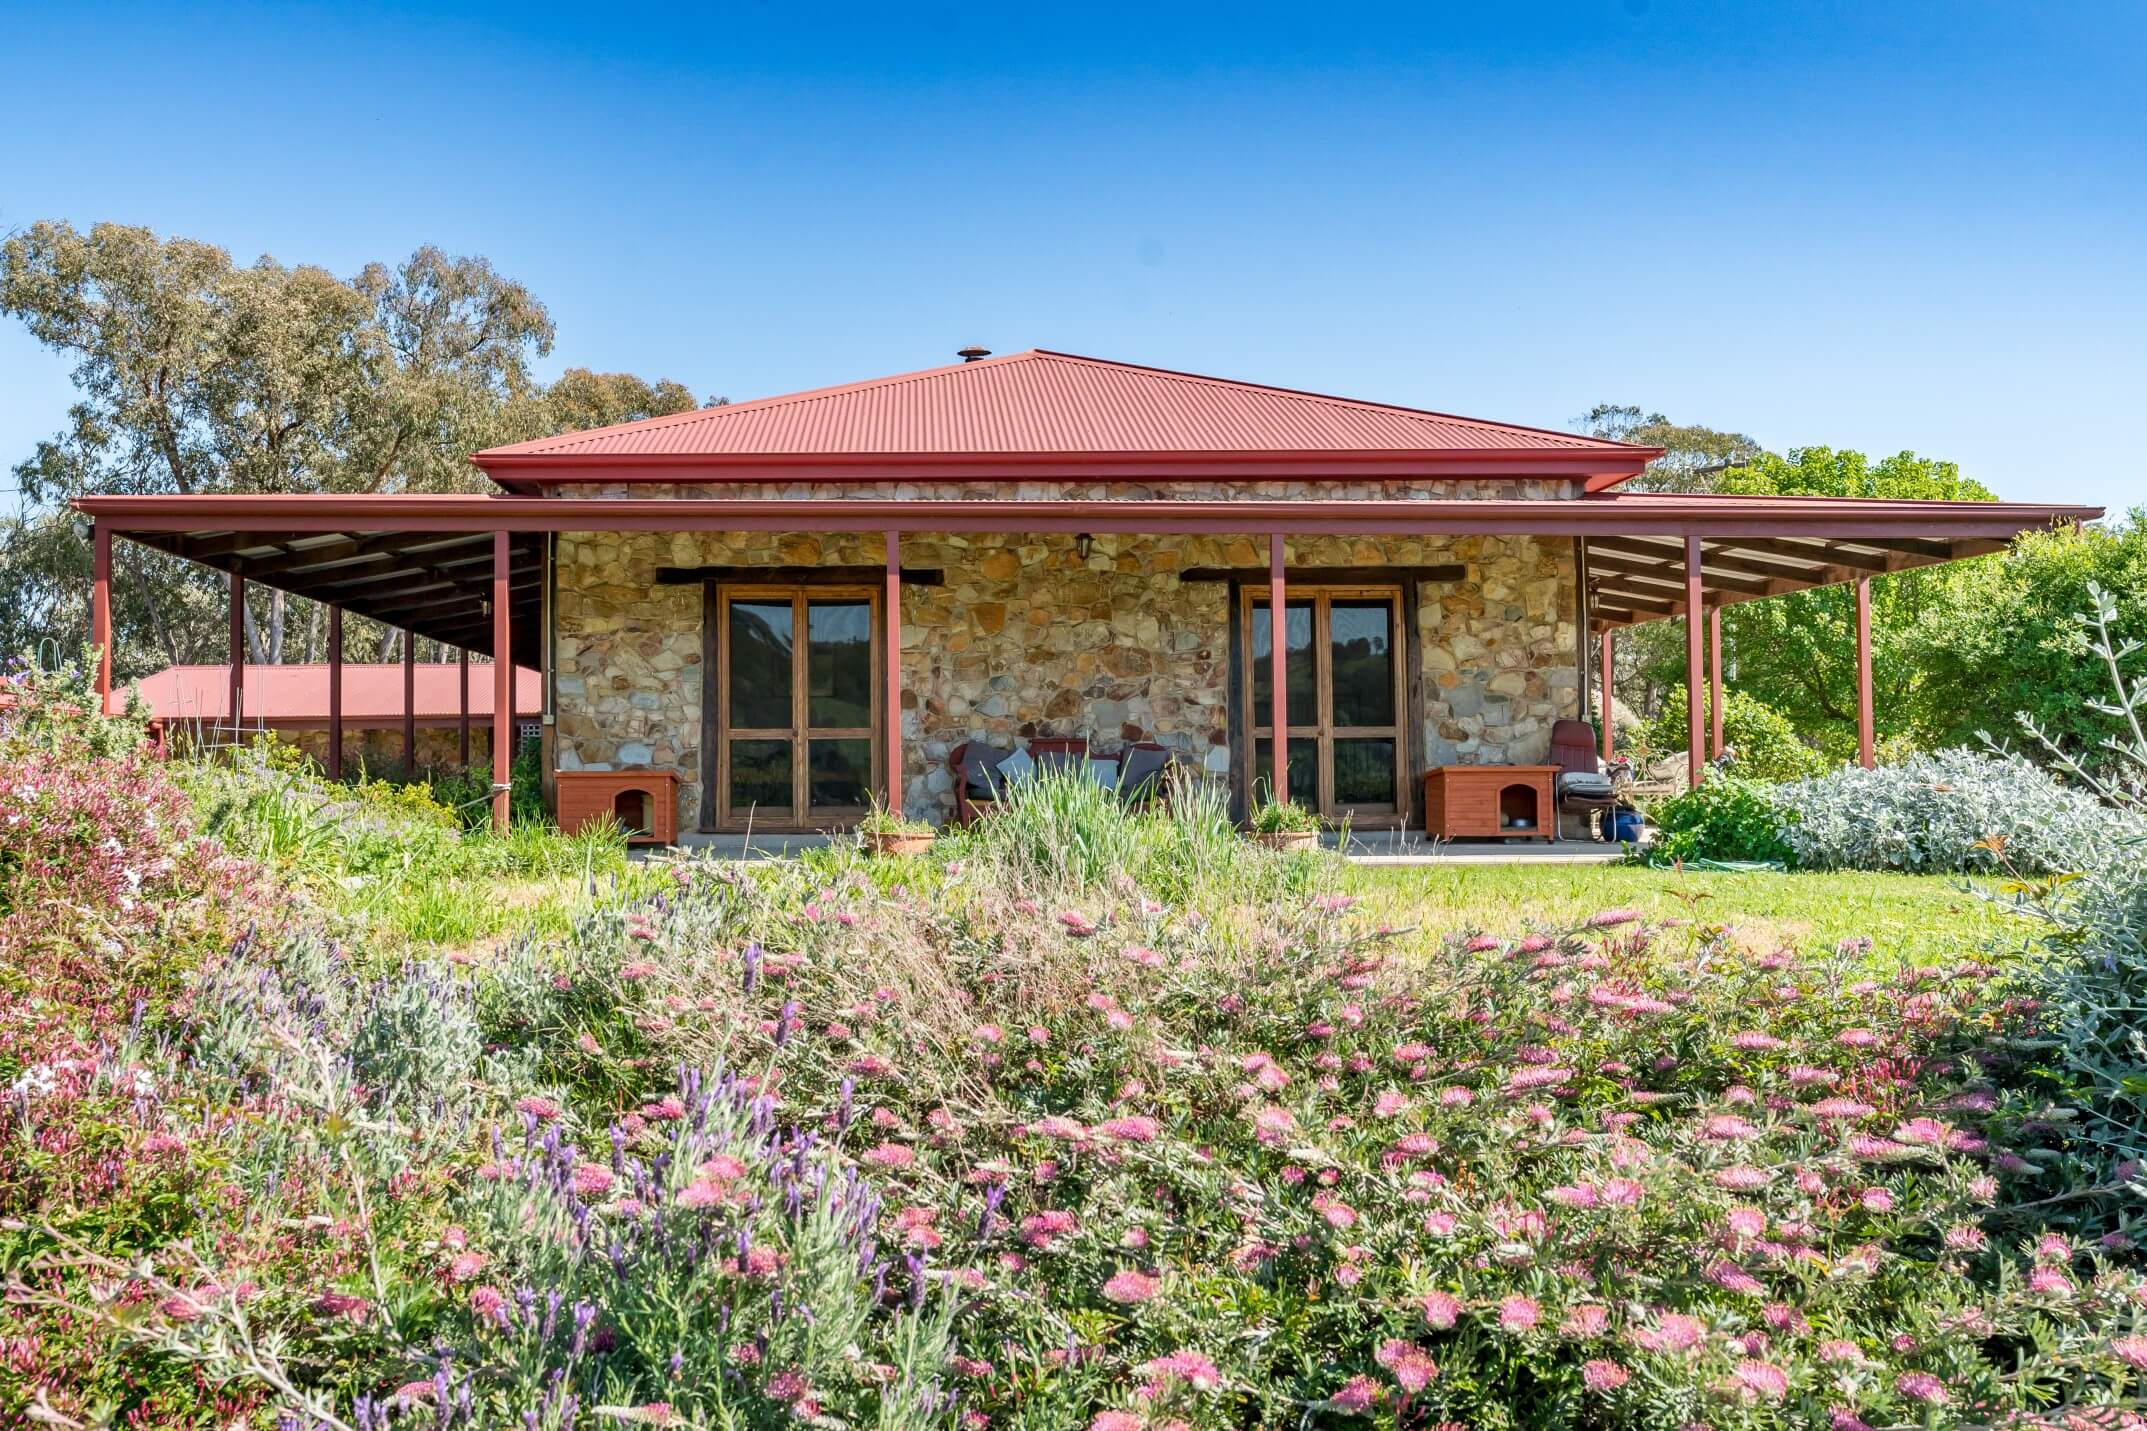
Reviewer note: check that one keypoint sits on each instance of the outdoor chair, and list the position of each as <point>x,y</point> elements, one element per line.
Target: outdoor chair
<point>978,781</point>
<point>1582,785</point>
<point>1142,770</point>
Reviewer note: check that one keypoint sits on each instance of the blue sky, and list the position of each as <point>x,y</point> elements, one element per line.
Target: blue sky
<point>1877,226</point>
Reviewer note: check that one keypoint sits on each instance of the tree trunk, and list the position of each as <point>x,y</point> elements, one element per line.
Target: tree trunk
<point>390,643</point>
<point>275,628</point>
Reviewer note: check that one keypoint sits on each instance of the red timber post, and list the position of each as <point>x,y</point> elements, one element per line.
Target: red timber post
<point>1278,706</point>
<point>100,614</point>
<point>409,704</point>
<point>1866,752</point>
<point>1714,681</point>
<point>502,679</point>
<point>237,653</point>
<point>462,709</point>
<point>335,692</point>
<point>1609,667</point>
<point>892,664</point>
<point>1695,726</point>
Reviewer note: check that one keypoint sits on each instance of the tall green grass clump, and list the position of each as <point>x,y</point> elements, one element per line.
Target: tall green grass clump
<point>1060,832</point>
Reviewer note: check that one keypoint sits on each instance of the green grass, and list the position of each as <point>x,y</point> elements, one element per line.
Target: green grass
<point>1921,917</point>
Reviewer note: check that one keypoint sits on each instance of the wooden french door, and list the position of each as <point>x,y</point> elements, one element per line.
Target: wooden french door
<point>1343,694</point>
<point>798,703</point>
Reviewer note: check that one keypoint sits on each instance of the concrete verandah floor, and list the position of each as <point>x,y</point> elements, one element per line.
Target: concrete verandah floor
<point>1371,847</point>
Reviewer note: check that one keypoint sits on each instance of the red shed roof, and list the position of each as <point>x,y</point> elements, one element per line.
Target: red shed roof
<point>1044,405</point>
<point>297,695</point>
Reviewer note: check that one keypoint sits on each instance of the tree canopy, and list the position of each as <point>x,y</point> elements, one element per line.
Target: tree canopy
<point>197,374</point>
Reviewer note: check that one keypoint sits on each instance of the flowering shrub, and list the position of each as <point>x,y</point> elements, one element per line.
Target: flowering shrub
<point>1941,811</point>
<point>1099,1160</point>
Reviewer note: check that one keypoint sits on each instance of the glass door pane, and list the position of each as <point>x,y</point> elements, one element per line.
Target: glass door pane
<point>760,778</point>
<point>1300,679</point>
<point>1360,646</point>
<point>1364,771</point>
<point>838,665</point>
<point>758,648</point>
<point>1304,770</point>
<point>840,776</point>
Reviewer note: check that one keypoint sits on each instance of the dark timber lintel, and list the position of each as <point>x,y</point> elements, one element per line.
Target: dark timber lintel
<point>798,575</point>
<point>1331,575</point>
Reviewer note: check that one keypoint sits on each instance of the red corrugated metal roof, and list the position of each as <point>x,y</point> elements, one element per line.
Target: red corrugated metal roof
<point>1043,402</point>
<point>298,694</point>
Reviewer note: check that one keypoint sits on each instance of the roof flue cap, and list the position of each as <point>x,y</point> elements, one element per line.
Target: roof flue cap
<point>971,353</point>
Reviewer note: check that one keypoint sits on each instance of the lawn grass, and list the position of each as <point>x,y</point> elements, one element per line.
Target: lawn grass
<point>1922,918</point>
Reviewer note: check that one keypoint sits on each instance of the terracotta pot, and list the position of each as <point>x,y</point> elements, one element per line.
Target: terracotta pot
<point>880,843</point>
<point>1286,839</point>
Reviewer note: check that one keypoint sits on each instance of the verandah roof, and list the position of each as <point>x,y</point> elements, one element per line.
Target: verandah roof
<point>425,562</point>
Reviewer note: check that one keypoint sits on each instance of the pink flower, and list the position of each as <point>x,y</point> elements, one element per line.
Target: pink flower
<point>1412,1369</point>
<point>2049,1282</point>
<point>1441,1309</point>
<point>543,1109</point>
<point>1673,1331</point>
<point>1603,1377</point>
<point>592,1180</point>
<point>466,1266</point>
<point>1763,1379</point>
<point>1517,1314</point>
<point>1389,1103</point>
<point>1921,1386</point>
<point>1115,1420</point>
<point>1876,1200</point>
<point>1589,1319</point>
<point>485,1301</point>
<point>1129,1288</point>
<point>2132,1351</point>
<point>1189,1367</point>
<point>1357,1395</point>
<point>1726,1127</point>
<point>1130,1130</point>
<point>1611,918</point>
<point>1745,1223</point>
<point>889,1155</point>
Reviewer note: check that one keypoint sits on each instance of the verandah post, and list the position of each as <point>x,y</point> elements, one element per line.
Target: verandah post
<point>462,709</point>
<point>1695,730</point>
<point>1609,666</point>
<point>335,692</point>
<point>1714,680</point>
<point>502,679</point>
<point>1278,708</point>
<point>409,704</point>
<point>892,663</point>
<point>100,614</point>
<point>236,652</point>
<point>1866,752</point>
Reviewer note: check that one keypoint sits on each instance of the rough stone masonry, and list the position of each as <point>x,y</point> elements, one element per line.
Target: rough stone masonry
<point>1027,638</point>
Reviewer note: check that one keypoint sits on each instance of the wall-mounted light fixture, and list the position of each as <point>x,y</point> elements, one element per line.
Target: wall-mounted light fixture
<point>1082,544</point>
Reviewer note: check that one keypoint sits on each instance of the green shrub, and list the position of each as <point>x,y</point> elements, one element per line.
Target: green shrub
<point>1282,817</point>
<point>1762,742</point>
<point>1726,818</point>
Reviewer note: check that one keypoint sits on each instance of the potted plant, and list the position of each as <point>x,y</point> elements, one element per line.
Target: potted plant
<point>1284,825</point>
<point>890,832</point>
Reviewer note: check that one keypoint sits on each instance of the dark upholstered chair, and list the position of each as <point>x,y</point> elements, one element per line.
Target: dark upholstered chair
<point>1582,785</point>
<point>977,783</point>
<point>1142,767</point>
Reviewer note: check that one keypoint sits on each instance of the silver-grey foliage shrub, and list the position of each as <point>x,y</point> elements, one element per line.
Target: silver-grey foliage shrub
<point>1937,812</point>
<point>2095,982</point>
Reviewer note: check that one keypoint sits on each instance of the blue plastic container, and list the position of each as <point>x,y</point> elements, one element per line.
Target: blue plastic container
<point>1626,829</point>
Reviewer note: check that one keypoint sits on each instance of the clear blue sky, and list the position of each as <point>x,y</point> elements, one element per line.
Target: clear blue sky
<point>1883,226</point>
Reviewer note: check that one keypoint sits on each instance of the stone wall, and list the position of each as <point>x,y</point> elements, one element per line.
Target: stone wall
<point>1026,638</point>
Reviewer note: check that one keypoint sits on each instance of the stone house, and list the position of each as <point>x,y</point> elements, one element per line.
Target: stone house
<point>792,606</point>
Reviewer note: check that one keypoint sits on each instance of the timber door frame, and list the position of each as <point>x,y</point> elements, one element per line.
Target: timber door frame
<point>1323,732</point>
<point>800,732</point>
